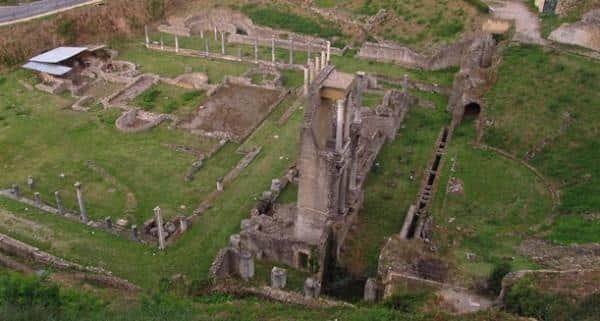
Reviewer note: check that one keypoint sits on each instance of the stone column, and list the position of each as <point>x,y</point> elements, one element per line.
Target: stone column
<point>240,54</point>
<point>201,34</point>
<point>216,37</point>
<point>278,278</point>
<point>37,199</point>
<point>176,43</point>
<point>147,36</point>
<point>328,51</point>
<point>14,190</point>
<point>256,50</point>
<point>222,43</point>
<point>220,184</point>
<point>312,288</point>
<point>311,71</point>
<point>306,80</point>
<point>370,294</point>
<point>360,78</point>
<point>291,51</point>
<point>317,65</point>
<point>405,84</point>
<point>323,61</point>
<point>206,47</point>
<point>246,265</point>
<point>159,226</point>
<point>273,49</point>
<point>59,203</point>
<point>183,224</point>
<point>162,43</point>
<point>309,52</point>
<point>339,129</point>
<point>108,222</point>
<point>30,182</point>
<point>82,211</point>
<point>134,232</point>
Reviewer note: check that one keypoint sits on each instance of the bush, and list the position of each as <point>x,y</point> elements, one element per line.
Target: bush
<point>407,302</point>
<point>496,276</point>
<point>524,299</point>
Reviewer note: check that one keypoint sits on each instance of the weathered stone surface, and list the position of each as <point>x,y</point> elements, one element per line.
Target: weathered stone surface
<point>278,277</point>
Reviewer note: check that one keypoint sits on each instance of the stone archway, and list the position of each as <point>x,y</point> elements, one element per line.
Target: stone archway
<point>471,111</point>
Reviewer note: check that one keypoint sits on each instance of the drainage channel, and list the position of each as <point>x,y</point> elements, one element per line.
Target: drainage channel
<point>415,226</point>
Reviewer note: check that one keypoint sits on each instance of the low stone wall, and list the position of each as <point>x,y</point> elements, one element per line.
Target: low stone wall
<point>131,122</point>
<point>446,57</point>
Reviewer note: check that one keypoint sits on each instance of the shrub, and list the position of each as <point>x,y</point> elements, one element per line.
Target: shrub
<point>524,299</point>
<point>496,276</point>
<point>407,301</point>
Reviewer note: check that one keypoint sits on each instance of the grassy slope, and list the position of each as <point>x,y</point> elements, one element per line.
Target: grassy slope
<point>502,199</point>
<point>388,190</point>
<point>528,103</point>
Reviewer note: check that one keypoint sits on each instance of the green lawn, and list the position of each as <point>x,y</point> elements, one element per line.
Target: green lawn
<point>500,202</point>
<point>388,191</point>
<point>548,102</point>
<point>169,99</point>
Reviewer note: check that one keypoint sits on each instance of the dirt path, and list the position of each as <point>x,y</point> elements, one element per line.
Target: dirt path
<point>527,25</point>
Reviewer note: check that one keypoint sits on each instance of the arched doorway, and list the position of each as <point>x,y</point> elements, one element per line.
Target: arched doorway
<point>472,111</point>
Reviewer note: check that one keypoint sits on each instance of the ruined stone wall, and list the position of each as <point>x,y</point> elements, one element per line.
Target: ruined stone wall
<point>448,56</point>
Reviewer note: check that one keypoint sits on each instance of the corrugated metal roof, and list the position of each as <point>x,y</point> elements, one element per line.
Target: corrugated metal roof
<point>58,54</point>
<point>56,70</point>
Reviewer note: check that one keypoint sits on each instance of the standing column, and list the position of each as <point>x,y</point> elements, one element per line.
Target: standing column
<point>323,62</point>
<point>216,38</point>
<point>147,36</point>
<point>201,34</point>
<point>405,84</point>
<point>162,43</point>
<point>273,49</point>
<point>256,50</point>
<point>240,54</point>
<point>309,51</point>
<point>311,71</point>
<point>291,51</point>
<point>328,51</point>
<point>306,80</point>
<point>82,211</point>
<point>222,43</point>
<point>159,226</point>
<point>246,265</point>
<point>317,64</point>
<point>220,184</point>
<point>176,43</point>
<point>59,204</point>
<point>339,130</point>
<point>206,47</point>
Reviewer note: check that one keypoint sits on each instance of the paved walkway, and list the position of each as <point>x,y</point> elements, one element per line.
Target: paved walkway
<point>13,14</point>
<point>527,24</point>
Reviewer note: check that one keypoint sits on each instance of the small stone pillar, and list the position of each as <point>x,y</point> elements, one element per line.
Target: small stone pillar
<point>30,182</point>
<point>312,288</point>
<point>147,36</point>
<point>160,227</point>
<point>201,34</point>
<point>162,43</point>
<point>108,222</point>
<point>240,54</point>
<point>317,65</point>
<point>311,71</point>
<point>222,43</point>
<point>176,43</point>
<point>370,294</point>
<point>306,80</point>
<point>235,241</point>
<point>276,185</point>
<point>246,265</point>
<point>278,278</point>
<point>134,231</point>
<point>339,129</point>
<point>59,203</point>
<point>328,51</point>
<point>15,191</point>
<point>405,84</point>
<point>82,211</point>
<point>183,224</point>
<point>291,51</point>
<point>220,184</point>
<point>206,47</point>
<point>309,52</point>
<point>256,50</point>
<point>323,61</point>
<point>37,199</point>
<point>273,49</point>
<point>216,37</point>
<point>360,77</point>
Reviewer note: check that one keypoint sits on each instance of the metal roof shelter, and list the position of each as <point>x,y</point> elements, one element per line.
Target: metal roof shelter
<point>58,54</point>
<point>52,69</point>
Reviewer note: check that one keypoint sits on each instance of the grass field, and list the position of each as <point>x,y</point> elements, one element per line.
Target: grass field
<point>388,191</point>
<point>559,120</point>
<point>170,99</point>
<point>501,200</point>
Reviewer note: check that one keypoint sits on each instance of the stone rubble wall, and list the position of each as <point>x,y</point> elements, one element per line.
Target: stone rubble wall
<point>585,33</point>
<point>131,121</point>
